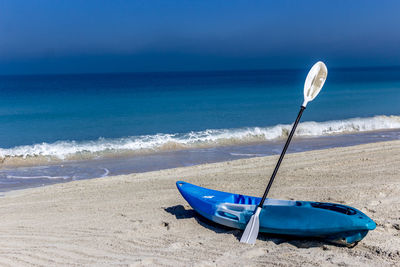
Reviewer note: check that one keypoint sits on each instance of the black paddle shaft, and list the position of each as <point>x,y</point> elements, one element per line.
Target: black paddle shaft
<point>281,157</point>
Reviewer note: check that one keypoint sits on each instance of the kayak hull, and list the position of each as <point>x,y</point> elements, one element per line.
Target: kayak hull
<point>287,217</point>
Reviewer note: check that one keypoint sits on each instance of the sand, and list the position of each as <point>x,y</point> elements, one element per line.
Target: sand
<point>141,219</point>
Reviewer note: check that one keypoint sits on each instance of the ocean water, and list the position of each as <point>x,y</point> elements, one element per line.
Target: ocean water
<point>87,122</point>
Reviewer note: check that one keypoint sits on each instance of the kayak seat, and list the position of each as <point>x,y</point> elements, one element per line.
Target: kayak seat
<point>246,200</point>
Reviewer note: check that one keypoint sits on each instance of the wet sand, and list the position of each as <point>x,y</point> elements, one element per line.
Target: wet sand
<point>141,219</point>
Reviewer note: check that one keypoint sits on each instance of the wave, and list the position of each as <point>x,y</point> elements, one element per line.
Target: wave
<point>73,150</point>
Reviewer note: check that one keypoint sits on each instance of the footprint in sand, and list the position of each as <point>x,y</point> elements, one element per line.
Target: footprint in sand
<point>143,262</point>
<point>165,224</point>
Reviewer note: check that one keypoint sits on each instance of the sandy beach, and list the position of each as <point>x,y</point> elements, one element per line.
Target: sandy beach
<point>141,219</point>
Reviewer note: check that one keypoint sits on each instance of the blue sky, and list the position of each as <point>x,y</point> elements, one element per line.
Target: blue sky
<point>54,36</point>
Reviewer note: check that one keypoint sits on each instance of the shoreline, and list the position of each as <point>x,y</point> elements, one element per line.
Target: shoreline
<point>141,219</point>
<point>13,178</point>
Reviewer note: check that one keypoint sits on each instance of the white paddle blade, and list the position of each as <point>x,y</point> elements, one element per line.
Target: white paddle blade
<point>315,80</point>
<point>253,226</point>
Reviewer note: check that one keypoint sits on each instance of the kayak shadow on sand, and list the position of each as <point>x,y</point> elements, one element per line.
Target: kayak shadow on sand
<point>180,212</point>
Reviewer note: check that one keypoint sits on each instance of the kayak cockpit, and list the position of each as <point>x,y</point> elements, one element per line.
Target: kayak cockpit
<point>334,207</point>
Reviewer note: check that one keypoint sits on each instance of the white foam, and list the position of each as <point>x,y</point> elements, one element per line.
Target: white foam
<point>37,177</point>
<point>247,155</point>
<point>208,138</point>
<point>106,172</point>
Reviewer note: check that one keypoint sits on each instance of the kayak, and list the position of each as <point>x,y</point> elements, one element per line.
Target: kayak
<point>331,221</point>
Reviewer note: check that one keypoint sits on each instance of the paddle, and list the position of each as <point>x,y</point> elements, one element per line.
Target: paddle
<point>315,80</point>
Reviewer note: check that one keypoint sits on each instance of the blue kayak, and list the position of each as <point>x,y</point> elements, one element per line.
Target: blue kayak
<point>287,217</point>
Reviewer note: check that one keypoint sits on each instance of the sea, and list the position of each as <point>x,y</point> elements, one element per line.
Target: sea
<point>60,128</point>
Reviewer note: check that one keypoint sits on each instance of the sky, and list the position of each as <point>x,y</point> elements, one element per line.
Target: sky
<point>91,36</point>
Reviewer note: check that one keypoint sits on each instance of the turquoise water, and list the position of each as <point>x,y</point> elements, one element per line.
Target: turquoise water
<point>38,109</point>
<point>59,118</point>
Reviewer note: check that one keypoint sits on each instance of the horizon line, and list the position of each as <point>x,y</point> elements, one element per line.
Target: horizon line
<point>194,71</point>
